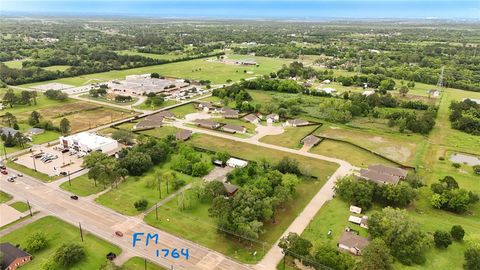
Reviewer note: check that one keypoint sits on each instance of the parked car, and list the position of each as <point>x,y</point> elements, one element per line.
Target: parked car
<point>20,175</point>
<point>74,197</point>
<point>3,167</point>
<point>4,172</point>
<point>64,173</point>
<point>119,233</point>
<point>65,150</point>
<point>11,179</point>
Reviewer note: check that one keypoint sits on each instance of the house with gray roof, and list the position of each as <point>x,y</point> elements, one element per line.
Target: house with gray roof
<point>234,129</point>
<point>183,135</point>
<point>229,113</point>
<point>296,123</point>
<point>252,118</point>
<point>8,130</point>
<point>352,243</point>
<point>206,123</point>
<point>311,140</point>
<point>13,257</point>
<point>382,174</point>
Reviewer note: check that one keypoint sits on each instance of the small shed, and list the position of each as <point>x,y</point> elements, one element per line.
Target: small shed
<point>236,163</point>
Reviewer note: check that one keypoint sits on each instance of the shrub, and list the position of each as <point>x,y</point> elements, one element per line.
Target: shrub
<point>69,254</point>
<point>442,239</point>
<point>178,183</point>
<point>441,158</point>
<point>457,232</point>
<point>36,242</point>
<point>472,258</point>
<point>141,204</point>
<point>456,165</point>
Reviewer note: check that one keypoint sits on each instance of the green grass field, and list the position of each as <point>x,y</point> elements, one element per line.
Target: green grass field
<point>198,69</point>
<point>137,263</point>
<point>354,155</point>
<point>183,110</point>
<point>106,100</point>
<point>42,103</point>
<point>82,186</point>
<point>134,188</point>
<point>144,106</point>
<point>59,232</point>
<point>309,166</point>
<point>290,138</point>
<point>195,224</point>
<point>5,197</point>
<point>20,206</point>
<point>14,63</point>
<point>169,56</point>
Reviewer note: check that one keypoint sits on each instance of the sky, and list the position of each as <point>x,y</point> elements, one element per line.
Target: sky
<point>250,9</point>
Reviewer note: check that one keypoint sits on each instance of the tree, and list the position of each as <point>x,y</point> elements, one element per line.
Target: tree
<point>155,75</point>
<point>357,192</point>
<point>376,256</point>
<point>401,233</point>
<point>325,255</point>
<point>399,195</point>
<point>9,98</point>
<point>212,190</point>
<point>10,119</point>
<point>288,165</point>
<point>34,118</point>
<point>476,169</point>
<point>221,156</point>
<point>36,242</point>
<point>472,257</point>
<point>69,254</point>
<point>442,239</point>
<point>93,158</point>
<point>457,232</point>
<point>295,246</point>
<point>123,136</point>
<point>136,163</point>
<point>403,90</point>
<point>386,85</point>
<point>141,204</point>
<point>64,125</point>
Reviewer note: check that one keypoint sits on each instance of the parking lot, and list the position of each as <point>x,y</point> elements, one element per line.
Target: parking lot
<point>51,161</point>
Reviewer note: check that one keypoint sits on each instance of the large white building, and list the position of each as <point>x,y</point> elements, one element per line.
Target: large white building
<point>88,141</point>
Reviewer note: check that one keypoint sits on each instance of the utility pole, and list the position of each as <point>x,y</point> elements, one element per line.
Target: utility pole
<point>34,165</point>
<point>156,211</point>
<point>81,232</point>
<point>29,208</point>
<point>159,189</point>
<point>69,180</point>
<point>145,263</point>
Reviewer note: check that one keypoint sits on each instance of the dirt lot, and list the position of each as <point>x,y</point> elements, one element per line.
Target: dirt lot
<point>63,163</point>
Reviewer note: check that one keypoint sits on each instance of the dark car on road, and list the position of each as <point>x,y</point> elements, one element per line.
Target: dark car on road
<point>74,197</point>
<point>111,256</point>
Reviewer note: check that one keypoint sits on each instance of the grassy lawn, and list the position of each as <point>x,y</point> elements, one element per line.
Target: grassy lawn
<point>309,166</point>
<point>195,224</point>
<point>290,138</point>
<point>161,132</point>
<point>213,71</point>
<point>58,232</point>
<point>14,63</point>
<point>183,110</point>
<point>57,68</point>
<point>169,56</point>
<point>82,186</point>
<point>35,174</point>
<point>137,263</point>
<point>403,148</point>
<point>42,103</point>
<point>167,103</point>
<point>20,206</point>
<point>5,197</point>
<point>134,188</point>
<point>341,150</point>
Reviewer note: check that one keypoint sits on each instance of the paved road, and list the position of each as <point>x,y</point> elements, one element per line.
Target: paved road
<point>103,222</point>
<point>274,255</point>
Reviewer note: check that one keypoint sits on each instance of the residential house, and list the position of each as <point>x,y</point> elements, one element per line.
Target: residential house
<point>164,114</point>
<point>433,93</point>
<point>352,243</point>
<point>234,129</point>
<point>206,107</point>
<point>296,123</point>
<point>35,131</point>
<point>229,113</point>
<point>273,118</point>
<point>382,174</point>
<point>206,123</point>
<point>13,257</point>
<point>153,121</point>
<point>8,130</point>
<point>251,118</point>
<point>368,92</point>
<point>183,135</point>
<point>311,140</point>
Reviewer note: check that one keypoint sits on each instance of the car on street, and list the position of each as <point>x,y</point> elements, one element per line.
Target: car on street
<point>119,233</point>
<point>20,175</point>
<point>11,179</point>
<point>3,167</point>
<point>4,172</point>
<point>111,256</point>
<point>74,197</point>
